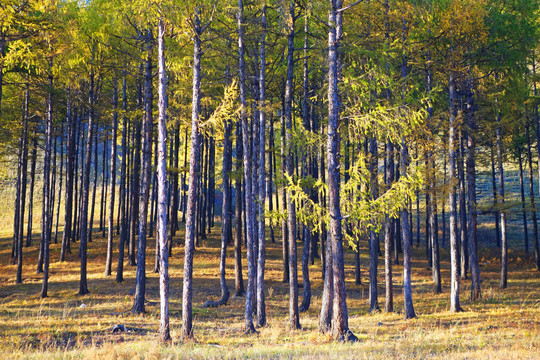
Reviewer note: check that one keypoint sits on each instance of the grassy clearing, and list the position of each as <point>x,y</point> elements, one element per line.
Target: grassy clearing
<point>503,325</point>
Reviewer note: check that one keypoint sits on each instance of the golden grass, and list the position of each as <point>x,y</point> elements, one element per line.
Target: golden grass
<point>504,324</point>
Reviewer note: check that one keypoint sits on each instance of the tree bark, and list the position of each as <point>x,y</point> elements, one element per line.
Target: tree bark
<point>187,294</point>
<point>164,332</point>
<point>146,174</point>
<point>340,316</point>
<point>454,256</point>
<point>504,243</point>
<point>123,208</point>
<point>261,307</point>
<point>108,262</point>
<point>533,203</point>
<point>46,216</point>
<point>294,318</point>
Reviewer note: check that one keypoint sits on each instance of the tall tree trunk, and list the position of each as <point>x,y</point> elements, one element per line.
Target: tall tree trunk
<point>464,248</point>
<point>135,187</point>
<point>504,243</point>
<point>373,237</point>
<point>472,212</point>
<point>85,189</point>
<point>294,318</point>
<point>146,173</point>
<point>495,198</point>
<point>238,279</point>
<point>122,208</point>
<point>250,296</point>
<point>340,316</point>
<point>306,231</point>
<point>23,166</point>
<point>46,216</point>
<point>187,294</point>
<point>108,262</point>
<point>454,257</point>
<point>104,183</point>
<point>284,227</point>
<point>261,307</point>
<point>388,230</point>
<point>522,193</point>
<point>533,203</point>
<point>60,183</point>
<point>164,333</point>
<point>32,186</point>
<point>91,225</point>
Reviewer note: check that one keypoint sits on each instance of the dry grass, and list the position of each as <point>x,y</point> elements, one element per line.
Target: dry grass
<point>503,325</point>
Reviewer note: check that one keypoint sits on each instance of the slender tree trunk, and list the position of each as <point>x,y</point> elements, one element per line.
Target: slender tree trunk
<point>226,215</point>
<point>373,238</point>
<point>464,248</point>
<point>60,183</point>
<point>533,203</point>
<point>122,208</point>
<point>238,279</point>
<point>32,186</point>
<point>135,189</point>
<point>250,220</point>
<point>46,216</point>
<point>522,192</point>
<point>23,166</point>
<point>146,174</point>
<point>388,233</point>
<point>85,190</point>
<point>454,257</point>
<point>284,228</point>
<point>306,231</point>
<point>495,199</point>
<point>504,243</point>
<point>108,262</point>
<point>261,307</point>
<point>187,294</point>
<point>164,333</point>
<point>294,318</point>
<point>91,227</point>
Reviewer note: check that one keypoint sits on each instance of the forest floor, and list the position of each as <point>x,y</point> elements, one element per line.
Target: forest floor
<point>504,324</point>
